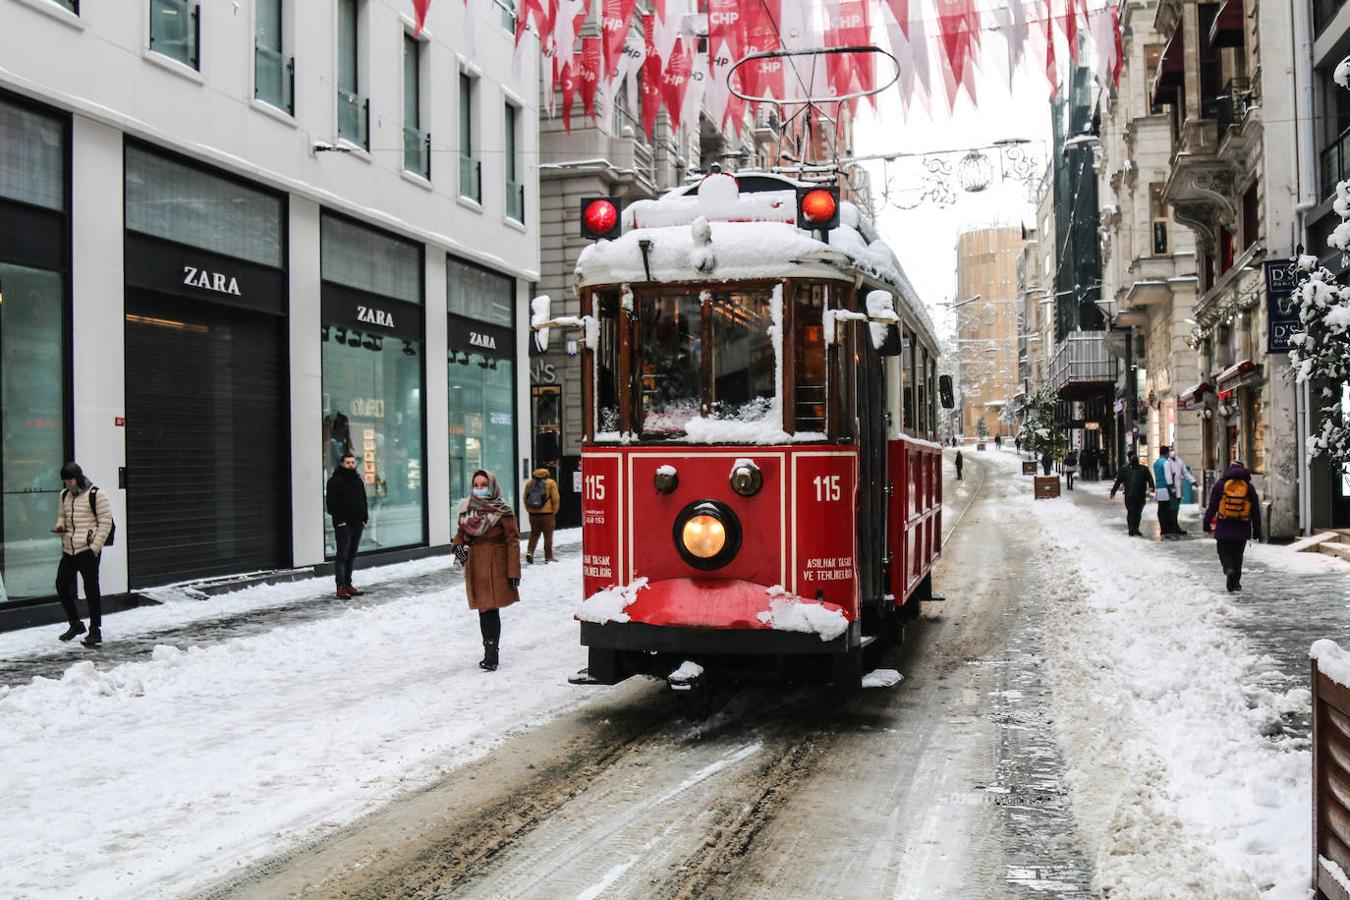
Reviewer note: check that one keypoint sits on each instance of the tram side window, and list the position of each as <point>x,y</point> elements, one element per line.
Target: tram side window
<point>671,375</point>
<point>921,387</point>
<point>907,374</point>
<point>809,366</point>
<point>607,364</point>
<point>932,394</point>
<point>743,367</point>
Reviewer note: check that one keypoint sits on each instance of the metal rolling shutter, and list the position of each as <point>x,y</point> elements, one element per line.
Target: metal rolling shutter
<point>207,473</point>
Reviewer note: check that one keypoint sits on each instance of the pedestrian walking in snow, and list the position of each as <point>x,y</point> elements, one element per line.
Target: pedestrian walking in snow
<point>1162,492</point>
<point>998,442</point>
<point>1137,481</point>
<point>541,503</point>
<point>1047,461</point>
<point>346,498</point>
<point>85,523</point>
<point>960,462</point>
<point>1070,467</point>
<point>487,543</point>
<point>1017,444</point>
<point>1234,513</point>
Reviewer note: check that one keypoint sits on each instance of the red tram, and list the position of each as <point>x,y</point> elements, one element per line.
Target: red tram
<point>762,489</point>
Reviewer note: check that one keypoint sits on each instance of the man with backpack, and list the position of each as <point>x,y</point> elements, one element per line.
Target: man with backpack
<point>1234,512</point>
<point>541,502</point>
<point>85,524</point>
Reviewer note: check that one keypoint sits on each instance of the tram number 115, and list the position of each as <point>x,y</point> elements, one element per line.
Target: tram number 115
<point>827,488</point>
<point>595,487</point>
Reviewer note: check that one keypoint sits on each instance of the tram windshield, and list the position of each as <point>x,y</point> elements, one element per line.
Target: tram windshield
<point>704,354</point>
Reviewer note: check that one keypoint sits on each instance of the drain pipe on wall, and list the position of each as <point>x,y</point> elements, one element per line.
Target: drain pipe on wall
<point>1305,169</point>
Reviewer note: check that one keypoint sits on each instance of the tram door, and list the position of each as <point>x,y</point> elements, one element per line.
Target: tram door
<point>870,414</point>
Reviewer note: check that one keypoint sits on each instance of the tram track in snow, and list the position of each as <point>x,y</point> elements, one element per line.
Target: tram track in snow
<point>975,495</point>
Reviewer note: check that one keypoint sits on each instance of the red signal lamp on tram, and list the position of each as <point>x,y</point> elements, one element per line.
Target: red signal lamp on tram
<point>818,208</point>
<point>600,218</point>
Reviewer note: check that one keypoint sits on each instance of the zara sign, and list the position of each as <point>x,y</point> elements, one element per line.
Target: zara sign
<point>211,281</point>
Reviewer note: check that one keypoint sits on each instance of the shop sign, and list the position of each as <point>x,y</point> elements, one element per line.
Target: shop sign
<point>1281,308</point>
<point>470,336</point>
<point>169,268</point>
<point>365,313</point>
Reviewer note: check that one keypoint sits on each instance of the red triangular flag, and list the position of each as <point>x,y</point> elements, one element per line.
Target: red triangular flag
<point>589,76</point>
<point>420,8</point>
<point>615,17</point>
<point>651,79</point>
<point>675,81</point>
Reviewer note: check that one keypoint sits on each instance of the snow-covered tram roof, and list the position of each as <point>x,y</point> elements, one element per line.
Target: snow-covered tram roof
<point>714,233</point>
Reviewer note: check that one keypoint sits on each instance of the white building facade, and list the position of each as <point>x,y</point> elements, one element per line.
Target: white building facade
<point>238,240</point>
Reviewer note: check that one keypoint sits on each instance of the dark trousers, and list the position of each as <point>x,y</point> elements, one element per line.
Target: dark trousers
<point>348,540</point>
<point>958,473</point>
<point>1230,556</point>
<point>1134,511</point>
<point>490,625</point>
<point>542,523</point>
<point>84,564</point>
<point>1167,518</point>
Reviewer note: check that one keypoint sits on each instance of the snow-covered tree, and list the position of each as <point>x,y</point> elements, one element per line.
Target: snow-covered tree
<point>1320,353</point>
<point>1042,432</point>
<point>981,428</point>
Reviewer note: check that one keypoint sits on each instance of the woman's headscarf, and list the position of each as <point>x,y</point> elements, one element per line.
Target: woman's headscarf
<point>478,515</point>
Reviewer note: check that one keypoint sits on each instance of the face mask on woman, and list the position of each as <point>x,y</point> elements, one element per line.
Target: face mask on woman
<point>482,493</point>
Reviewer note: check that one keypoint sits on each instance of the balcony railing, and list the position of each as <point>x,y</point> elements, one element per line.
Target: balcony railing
<point>470,178</point>
<point>515,200</point>
<point>417,152</point>
<point>354,118</point>
<point>274,78</point>
<point>1231,106</point>
<point>1335,164</point>
<point>1081,359</point>
<point>175,30</point>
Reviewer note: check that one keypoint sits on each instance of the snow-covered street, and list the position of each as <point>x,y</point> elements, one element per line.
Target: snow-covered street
<point>1085,713</point>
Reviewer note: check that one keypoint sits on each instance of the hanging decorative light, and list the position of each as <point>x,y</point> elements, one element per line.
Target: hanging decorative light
<point>974,172</point>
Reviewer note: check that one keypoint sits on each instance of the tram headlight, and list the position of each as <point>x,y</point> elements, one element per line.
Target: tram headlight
<point>707,534</point>
<point>704,536</point>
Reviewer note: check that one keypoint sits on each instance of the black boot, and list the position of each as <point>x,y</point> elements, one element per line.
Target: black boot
<point>94,639</point>
<point>489,661</point>
<point>75,628</point>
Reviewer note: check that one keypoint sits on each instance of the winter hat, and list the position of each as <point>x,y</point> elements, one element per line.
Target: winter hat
<point>71,471</point>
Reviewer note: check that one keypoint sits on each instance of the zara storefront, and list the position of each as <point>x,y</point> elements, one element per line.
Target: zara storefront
<point>242,378</point>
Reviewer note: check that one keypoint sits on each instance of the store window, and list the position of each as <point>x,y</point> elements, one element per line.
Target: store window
<point>353,109</point>
<point>33,363</point>
<point>373,375</point>
<point>482,402</point>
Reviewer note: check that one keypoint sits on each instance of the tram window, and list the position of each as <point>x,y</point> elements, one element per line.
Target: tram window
<point>671,373</point>
<point>921,387</point>
<point>743,365</point>
<point>607,364</point>
<point>907,375</point>
<point>809,365</point>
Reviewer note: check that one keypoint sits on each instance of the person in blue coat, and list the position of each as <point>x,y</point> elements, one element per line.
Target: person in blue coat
<point>1167,523</point>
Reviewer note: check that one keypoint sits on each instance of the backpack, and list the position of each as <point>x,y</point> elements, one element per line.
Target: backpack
<point>93,508</point>
<point>536,495</point>
<point>1235,503</point>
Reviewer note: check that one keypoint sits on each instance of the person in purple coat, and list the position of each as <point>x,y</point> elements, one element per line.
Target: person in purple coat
<point>1234,514</point>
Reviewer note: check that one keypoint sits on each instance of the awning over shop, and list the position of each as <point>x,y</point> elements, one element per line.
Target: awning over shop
<point>1195,397</point>
<point>1171,68</point>
<point>1227,28</point>
<point>1236,375</point>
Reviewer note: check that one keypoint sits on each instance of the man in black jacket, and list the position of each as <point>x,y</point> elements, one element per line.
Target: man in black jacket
<point>1137,481</point>
<point>347,506</point>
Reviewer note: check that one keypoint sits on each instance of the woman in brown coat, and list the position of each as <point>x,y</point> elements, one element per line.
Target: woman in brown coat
<point>487,543</point>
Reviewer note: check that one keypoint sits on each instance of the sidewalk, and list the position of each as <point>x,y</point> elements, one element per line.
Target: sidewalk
<point>182,620</point>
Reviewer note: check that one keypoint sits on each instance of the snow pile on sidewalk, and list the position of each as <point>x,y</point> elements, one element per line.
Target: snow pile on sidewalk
<point>788,612</point>
<point>156,777</point>
<point>1176,783</point>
